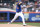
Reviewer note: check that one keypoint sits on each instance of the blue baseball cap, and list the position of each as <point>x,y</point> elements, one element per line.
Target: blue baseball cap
<point>16,1</point>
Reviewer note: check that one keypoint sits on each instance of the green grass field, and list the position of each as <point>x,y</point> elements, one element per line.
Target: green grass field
<point>33,24</point>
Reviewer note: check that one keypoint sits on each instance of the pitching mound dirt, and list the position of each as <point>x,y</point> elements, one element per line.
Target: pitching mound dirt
<point>14,25</point>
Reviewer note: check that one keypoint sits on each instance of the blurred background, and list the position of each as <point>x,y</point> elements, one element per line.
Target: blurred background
<point>10,4</point>
<point>31,9</point>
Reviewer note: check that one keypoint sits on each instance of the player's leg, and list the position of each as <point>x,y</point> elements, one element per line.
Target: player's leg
<point>23,20</point>
<point>15,17</point>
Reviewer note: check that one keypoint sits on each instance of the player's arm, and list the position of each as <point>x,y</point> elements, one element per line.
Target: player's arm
<point>20,3</point>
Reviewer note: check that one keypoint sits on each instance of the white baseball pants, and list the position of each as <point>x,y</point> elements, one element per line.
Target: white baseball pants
<point>18,14</point>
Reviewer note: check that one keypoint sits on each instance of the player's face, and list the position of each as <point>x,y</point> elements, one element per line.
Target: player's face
<point>20,2</point>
